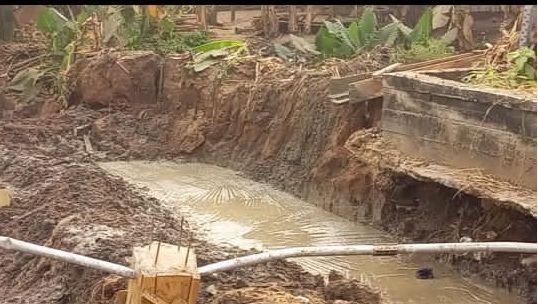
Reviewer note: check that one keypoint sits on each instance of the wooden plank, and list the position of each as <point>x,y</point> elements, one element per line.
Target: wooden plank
<point>370,88</point>
<point>366,89</point>
<point>461,62</point>
<point>121,297</point>
<point>167,275</point>
<point>419,65</point>
<point>460,145</point>
<point>340,85</point>
<point>480,114</point>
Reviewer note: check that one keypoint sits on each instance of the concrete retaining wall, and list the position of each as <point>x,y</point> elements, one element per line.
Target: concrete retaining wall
<point>454,124</point>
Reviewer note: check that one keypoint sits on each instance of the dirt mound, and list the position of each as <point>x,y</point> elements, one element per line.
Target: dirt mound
<point>115,79</point>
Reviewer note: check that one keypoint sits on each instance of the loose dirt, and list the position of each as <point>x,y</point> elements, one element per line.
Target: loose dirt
<point>260,117</point>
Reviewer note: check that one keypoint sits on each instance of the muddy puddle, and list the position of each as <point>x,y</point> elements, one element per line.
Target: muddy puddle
<point>233,210</point>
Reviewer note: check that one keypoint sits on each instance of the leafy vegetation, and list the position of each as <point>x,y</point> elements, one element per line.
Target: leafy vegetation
<point>120,26</point>
<point>335,40</point>
<point>519,72</point>
<point>421,51</point>
<point>212,52</point>
<point>411,44</point>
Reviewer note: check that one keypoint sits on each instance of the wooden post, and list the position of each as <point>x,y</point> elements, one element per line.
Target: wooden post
<point>232,13</point>
<point>269,21</point>
<point>308,21</point>
<point>202,16</point>
<point>167,274</point>
<point>213,15</point>
<point>7,22</point>
<point>292,19</point>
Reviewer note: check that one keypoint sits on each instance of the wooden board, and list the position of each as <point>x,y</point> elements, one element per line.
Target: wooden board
<point>339,85</point>
<point>171,278</point>
<point>371,88</point>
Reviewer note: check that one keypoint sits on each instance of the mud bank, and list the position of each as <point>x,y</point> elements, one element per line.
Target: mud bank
<point>274,124</point>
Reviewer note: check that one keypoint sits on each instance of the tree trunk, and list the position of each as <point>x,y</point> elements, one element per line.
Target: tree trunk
<point>7,22</point>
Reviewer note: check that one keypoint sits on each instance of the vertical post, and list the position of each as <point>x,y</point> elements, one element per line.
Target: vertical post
<point>308,21</point>
<point>7,22</point>
<point>292,19</point>
<point>213,15</point>
<point>269,21</point>
<point>202,16</point>
<point>232,13</point>
<point>526,24</point>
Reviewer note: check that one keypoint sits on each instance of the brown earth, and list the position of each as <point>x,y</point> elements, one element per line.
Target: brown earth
<point>275,125</point>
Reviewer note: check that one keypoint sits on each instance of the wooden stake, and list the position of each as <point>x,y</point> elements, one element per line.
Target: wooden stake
<point>180,233</point>
<point>157,254</point>
<point>188,250</point>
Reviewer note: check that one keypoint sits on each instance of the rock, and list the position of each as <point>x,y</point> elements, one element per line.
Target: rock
<point>212,290</point>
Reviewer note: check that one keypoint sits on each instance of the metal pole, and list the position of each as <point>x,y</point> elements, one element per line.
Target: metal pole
<point>384,250</point>
<point>12,244</point>
<point>529,13</point>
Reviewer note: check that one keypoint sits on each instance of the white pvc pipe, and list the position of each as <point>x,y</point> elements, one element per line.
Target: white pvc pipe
<point>367,250</point>
<point>12,244</point>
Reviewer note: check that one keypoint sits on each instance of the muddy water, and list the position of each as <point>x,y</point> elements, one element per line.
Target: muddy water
<point>237,211</point>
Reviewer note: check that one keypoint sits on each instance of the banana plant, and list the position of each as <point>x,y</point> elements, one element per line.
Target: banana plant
<point>334,39</point>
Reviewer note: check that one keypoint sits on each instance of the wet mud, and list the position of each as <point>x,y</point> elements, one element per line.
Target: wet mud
<point>274,125</point>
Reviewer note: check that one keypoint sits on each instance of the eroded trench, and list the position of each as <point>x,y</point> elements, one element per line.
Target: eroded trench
<point>275,127</point>
<point>233,210</point>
